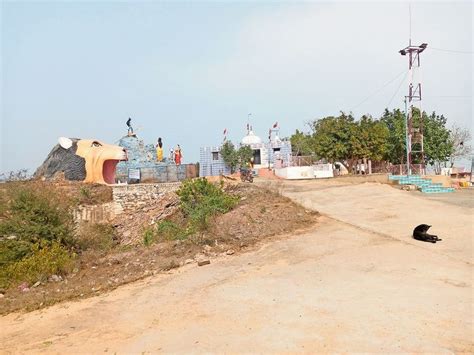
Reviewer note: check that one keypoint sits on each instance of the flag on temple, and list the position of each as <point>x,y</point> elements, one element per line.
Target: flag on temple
<point>275,125</point>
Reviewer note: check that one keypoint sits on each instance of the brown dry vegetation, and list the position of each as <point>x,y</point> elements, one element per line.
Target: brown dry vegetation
<point>78,192</point>
<point>260,215</point>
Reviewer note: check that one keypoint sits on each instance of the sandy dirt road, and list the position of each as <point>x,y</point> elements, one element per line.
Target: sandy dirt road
<point>356,282</point>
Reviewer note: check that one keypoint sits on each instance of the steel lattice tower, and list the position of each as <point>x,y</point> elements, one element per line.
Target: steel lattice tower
<point>414,128</point>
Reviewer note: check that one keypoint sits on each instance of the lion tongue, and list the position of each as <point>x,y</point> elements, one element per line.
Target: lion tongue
<point>108,171</point>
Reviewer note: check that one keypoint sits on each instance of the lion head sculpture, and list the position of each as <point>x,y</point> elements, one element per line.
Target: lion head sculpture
<point>83,160</point>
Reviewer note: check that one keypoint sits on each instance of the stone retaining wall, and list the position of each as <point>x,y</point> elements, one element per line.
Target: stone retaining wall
<point>125,198</point>
<point>129,197</point>
<point>95,213</point>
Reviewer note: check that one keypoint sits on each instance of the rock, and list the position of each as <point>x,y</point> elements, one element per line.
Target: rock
<point>23,286</point>
<point>2,295</point>
<point>126,234</point>
<point>188,261</point>
<point>26,289</point>
<point>200,257</point>
<point>37,284</point>
<point>55,278</point>
<point>204,262</point>
<point>230,252</point>
<point>207,247</point>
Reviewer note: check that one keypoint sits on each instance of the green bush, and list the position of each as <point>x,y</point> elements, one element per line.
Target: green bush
<point>42,262</point>
<point>164,231</point>
<point>13,250</point>
<point>36,216</point>
<point>200,200</point>
<point>36,233</point>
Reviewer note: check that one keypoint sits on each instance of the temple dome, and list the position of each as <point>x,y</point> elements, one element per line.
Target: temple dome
<point>251,138</point>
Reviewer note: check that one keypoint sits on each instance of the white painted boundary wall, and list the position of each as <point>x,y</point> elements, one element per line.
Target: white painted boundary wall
<point>323,171</point>
<point>295,172</point>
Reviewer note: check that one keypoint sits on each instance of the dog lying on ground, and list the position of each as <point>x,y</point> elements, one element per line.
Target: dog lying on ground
<point>420,233</point>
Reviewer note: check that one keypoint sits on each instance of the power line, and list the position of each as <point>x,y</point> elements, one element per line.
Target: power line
<point>450,50</point>
<point>379,89</point>
<point>399,86</point>
<point>449,96</point>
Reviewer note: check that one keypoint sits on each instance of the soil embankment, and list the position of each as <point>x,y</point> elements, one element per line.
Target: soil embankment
<point>356,283</point>
<point>261,214</point>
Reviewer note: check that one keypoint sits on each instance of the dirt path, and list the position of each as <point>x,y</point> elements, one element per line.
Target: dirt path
<point>354,283</point>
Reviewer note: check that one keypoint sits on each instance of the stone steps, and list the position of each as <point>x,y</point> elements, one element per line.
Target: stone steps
<point>425,185</point>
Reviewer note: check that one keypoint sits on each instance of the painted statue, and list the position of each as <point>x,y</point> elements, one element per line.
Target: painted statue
<point>178,155</point>
<point>129,125</point>
<point>84,160</point>
<point>159,150</point>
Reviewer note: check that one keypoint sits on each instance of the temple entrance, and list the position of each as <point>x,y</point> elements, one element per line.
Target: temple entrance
<point>256,157</point>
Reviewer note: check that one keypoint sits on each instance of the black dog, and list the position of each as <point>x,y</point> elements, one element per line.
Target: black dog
<point>419,233</point>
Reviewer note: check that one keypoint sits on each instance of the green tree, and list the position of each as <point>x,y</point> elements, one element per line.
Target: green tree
<point>332,137</point>
<point>436,138</point>
<point>229,155</point>
<point>234,158</point>
<point>438,146</point>
<point>460,139</point>
<point>368,140</point>
<point>396,148</point>
<point>302,143</point>
<point>245,154</point>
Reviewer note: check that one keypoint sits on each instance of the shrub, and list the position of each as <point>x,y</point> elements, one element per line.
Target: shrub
<point>36,215</point>
<point>164,231</point>
<point>36,233</point>
<point>200,200</point>
<point>97,236</point>
<point>42,262</point>
<point>12,250</point>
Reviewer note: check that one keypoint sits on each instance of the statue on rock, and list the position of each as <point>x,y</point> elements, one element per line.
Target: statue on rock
<point>130,128</point>
<point>178,155</point>
<point>159,150</point>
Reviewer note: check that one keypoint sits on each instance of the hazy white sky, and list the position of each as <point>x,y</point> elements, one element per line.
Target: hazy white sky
<point>184,71</point>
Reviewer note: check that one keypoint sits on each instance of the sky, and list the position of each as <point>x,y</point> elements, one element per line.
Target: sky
<point>185,71</point>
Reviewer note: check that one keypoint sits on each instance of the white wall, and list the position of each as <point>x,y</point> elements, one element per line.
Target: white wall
<point>295,172</point>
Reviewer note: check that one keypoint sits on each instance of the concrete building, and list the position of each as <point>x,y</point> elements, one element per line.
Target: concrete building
<point>273,153</point>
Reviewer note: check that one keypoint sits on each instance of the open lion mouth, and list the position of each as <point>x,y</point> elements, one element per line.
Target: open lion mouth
<point>108,170</point>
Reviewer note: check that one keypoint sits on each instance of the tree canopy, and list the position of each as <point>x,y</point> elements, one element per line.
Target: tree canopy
<point>345,139</point>
<point>235,157</point>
